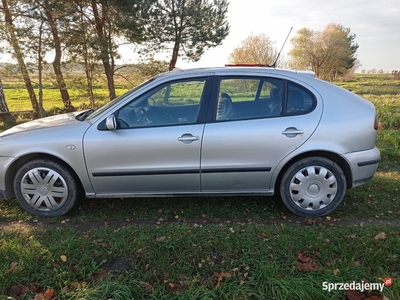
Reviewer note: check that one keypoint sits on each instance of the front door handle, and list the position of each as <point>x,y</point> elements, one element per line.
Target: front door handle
<point>292,132</point>
<point>188,138</point>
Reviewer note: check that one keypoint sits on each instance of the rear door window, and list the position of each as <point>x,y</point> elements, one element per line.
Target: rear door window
<point>247,98</point>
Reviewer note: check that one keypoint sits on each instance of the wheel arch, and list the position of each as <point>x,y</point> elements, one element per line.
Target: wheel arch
<point>14,167</point>
<point>340,161</point>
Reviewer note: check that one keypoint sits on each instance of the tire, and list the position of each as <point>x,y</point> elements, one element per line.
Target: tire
<point>45,188</point>
<point>313,187</point>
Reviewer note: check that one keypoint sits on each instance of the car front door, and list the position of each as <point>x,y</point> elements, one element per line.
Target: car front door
<point>256,122</point>
<point>156,146</point>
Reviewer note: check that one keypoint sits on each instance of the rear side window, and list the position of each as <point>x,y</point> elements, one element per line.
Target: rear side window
<point>299,100</point>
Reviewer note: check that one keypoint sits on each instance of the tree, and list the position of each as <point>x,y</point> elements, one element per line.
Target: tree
<point>185,27</point>
<point>54,13</point>
<point>81,46</point>
<point>256,49</point>
<point>7,118</point>
<point>330,53</point>
<point>13,39</point>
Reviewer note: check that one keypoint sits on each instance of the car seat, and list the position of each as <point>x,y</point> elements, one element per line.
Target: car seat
<point>225,108</point>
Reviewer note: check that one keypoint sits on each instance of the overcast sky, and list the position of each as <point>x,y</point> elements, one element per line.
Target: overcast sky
<point>375,22</point>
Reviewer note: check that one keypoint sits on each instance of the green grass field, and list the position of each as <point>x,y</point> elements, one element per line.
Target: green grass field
<point>211,248</point>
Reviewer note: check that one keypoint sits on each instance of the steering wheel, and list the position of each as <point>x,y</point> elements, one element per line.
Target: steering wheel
<point>145,116</point>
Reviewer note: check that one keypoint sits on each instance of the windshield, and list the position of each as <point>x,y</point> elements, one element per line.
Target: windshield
<point>103,108</point>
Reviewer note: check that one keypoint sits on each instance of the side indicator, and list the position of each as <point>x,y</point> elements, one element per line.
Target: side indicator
<point>70,147</point>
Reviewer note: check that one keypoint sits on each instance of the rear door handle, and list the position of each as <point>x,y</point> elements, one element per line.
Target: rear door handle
<point>292,132</point>
<point>188,138</point>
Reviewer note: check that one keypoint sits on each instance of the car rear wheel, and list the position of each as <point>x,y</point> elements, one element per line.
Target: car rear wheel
<point>313,187</point>
<point>45,188</point>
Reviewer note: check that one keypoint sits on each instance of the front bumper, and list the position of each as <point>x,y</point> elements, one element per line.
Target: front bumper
<point>5,162</point>
<point>363,165</point>
<point>3,195</point>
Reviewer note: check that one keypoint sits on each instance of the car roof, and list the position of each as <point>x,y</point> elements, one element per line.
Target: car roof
<point>239,70</point>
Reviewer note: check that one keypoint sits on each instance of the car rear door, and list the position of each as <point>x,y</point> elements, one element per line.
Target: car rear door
<point>240,154</point>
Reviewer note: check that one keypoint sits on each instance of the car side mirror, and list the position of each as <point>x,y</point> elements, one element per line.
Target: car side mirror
<point>111,122</point>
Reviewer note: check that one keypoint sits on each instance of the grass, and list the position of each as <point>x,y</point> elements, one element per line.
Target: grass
<point>211,248</point>
<point>198,261</point>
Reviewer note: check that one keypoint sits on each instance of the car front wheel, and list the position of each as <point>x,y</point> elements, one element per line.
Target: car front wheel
<point>45,188</point>
<point>313,187</point>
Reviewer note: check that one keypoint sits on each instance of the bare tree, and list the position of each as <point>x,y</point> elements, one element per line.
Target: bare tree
<point>12,38</point>
<point>5,116</point>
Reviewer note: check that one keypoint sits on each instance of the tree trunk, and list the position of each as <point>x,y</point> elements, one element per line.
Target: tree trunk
<point>40,67</point>
<point>89,80</point>
<point>57,63</point>
<point>6,118</point>
<point>104,49</point>
<point>174,58</point>
<point>19,56</point>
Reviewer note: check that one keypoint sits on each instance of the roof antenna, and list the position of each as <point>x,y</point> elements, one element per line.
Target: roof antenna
<point>274,64</point>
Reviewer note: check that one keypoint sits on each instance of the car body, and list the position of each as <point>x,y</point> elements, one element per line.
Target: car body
<point>214,131</point>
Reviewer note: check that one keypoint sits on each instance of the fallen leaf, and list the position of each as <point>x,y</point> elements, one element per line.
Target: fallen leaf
<point>147,287</point>
<point>336,272</point>
<point>217,278</point>
<point>176,217</point>
<point>380,236</point>
<point>18,290</point>
<point>38,296</point>
<point>63,258</point>
<point>356,263</point>
<point>139,251</point>
<point>48,294</point>
<point>99,275</point>
<point>328,218</point>
<point>12,267</point>
<point>161,239</point>
<point>76,284</point>
<point>305,263</point>
<point>303,257</point>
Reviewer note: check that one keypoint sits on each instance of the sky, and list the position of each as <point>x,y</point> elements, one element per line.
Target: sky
<point>376,24</point>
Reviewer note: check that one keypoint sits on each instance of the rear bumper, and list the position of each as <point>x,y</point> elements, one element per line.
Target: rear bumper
<point>363,165</point>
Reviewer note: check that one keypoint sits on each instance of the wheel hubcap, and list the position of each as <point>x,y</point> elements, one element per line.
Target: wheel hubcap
<point>313,188</point>
<point>44,189</point>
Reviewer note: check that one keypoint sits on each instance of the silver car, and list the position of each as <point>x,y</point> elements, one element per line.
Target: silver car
<point>218,131</point>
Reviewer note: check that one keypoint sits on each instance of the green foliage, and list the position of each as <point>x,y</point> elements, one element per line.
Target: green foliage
<point>330,53</point>
<point>255,49</point>
<point>188,27</point>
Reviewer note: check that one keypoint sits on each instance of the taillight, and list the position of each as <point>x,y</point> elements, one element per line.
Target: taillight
<point>376,123</point>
